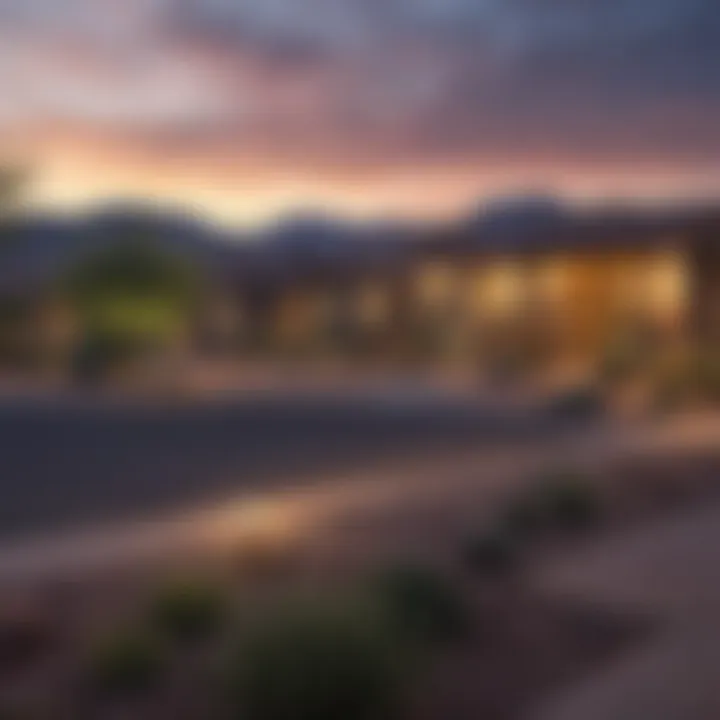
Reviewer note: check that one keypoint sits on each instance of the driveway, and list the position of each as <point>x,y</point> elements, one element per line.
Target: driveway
<point>669,571</point>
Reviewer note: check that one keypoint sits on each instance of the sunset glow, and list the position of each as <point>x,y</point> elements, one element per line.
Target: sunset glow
<point>243,111</point>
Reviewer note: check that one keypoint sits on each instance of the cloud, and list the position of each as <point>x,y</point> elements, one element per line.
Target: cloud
<point>465,77</point>
<point>362,86</point>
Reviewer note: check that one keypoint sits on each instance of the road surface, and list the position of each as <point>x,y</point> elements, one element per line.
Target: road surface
<point>64,464</point>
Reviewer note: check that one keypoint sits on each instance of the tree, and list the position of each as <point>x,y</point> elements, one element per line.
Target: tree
<point>129,299</point>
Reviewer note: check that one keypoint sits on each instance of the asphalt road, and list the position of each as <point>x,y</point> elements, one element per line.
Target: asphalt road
<point>67,464</point>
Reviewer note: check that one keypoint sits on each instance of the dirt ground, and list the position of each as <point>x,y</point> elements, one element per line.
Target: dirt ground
<point>522,645</point>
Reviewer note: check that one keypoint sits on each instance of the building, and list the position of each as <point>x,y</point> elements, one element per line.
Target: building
<point>558,293</point>
<point>539,290</point>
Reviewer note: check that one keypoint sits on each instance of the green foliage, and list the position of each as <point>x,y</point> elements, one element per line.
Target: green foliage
<point>100,353</point>
<point>128,663</point>
<point>570,501</point>
<point>578,403</point>
<point>558,501</point>
<point>132,268</point>
<point>189,610</point>
<point>523,516</point>
<point>492,554</point>
<point>130,300</point>
<point>316,662</point>
<point>133,290</point>
<point>422,606</point>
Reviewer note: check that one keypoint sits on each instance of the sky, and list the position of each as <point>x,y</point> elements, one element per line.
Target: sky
<point>245,109</point>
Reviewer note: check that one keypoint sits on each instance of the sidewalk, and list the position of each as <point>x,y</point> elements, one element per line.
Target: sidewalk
<point>670,572</point>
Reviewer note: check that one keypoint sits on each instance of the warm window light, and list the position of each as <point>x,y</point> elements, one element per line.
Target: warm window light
<point>551,280</point>
<point>500,290</point>
<point>668,285</point>
<point>436,284</point>
<point>373,305</point>
<point>655,286</point>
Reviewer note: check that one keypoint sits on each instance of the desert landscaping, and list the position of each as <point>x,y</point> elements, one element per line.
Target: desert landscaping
<point>386,602</point>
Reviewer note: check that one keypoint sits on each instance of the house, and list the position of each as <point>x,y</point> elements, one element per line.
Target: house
<point>548,288</point>
<point>562,291</point>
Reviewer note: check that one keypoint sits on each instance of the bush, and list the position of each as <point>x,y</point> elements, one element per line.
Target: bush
<point>421,606</point>
<point>94,358</point>
<point>189,611</point>
<point>127,664</point>
<point>492,554</point>
<point>570,502</point>
<point>316,663</point>
<point>579,403</point>
<point>523,516</point>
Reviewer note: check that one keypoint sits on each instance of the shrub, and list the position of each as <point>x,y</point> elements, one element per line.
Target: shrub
<point>523,516</point>
<point>96,357</point>
<point>491,554</point>
<point>570,502</point>
<point>189,610</point>
<point>579,403</point>
<point>128,663</point>
<point>421,606</point>
<point>316,662</point>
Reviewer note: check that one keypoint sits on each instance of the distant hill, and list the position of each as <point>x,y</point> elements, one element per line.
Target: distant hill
<point>46,246</point>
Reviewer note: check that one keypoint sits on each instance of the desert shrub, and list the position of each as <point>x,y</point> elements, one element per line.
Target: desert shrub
<point>97,356</point>
<point>523,516</point>
<point>569,501</point>
<point>127,663</point>
<point>491,554</point>
<point>421,605</point>
<point>316,662</point>
<point>578,403</point>
<point>189,610</point>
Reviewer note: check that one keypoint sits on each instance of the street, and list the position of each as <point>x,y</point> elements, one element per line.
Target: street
<point>66,464</point>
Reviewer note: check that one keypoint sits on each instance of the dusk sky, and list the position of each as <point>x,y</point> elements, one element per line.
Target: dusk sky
<point>415,108</point>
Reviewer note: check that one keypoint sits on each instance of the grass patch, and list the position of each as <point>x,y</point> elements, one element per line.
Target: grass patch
<point>421,605</point>
<point>316,661</point>
<point>189,610</point>
<point>127,663</point>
